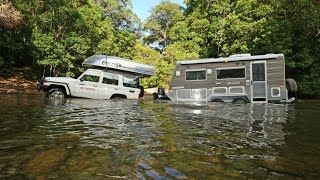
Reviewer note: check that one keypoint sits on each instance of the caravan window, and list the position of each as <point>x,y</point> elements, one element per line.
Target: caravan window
<point>195,75</point>
<point>231,73</point>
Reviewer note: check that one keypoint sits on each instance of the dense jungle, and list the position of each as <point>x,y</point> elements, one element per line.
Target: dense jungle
<point>57,35</point>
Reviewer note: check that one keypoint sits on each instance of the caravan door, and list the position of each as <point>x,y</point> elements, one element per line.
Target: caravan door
<point>258,82</point>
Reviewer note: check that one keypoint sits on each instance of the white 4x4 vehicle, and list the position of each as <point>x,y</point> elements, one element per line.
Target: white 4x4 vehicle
<point>119,78</point>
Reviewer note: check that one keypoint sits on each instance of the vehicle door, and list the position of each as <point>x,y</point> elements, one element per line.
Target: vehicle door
<point>87,87</point>
<point>130,87</point>
<point>109,85</point>
<point>258,82</point>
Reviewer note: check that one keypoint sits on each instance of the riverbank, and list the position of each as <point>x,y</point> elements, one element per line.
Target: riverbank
<point>22,81</point>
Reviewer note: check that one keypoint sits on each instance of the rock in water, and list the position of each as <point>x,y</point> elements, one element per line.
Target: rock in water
<point>45,162</point>
<point>67,138</point>
<point>155,175</point>
<point>144,166</point>
<point>175,173</point>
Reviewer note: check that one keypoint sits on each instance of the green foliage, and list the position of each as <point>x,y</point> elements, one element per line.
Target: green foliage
<point>2,63</point>
<point>59,34</point>
<point>226,27</point>
<point>162,19</point>
<point>148,55</point>
<point>303,24</point>
<point>62,33</point>
<point>65,33</point>
<point>180,51</point>
<point>15,46</point>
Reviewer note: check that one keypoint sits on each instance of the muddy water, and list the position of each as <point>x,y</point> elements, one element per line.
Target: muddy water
<point>145,139</point>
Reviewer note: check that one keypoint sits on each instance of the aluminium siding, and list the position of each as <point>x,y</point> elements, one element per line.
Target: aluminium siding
<point>275,76</point>
<point>211,81</point>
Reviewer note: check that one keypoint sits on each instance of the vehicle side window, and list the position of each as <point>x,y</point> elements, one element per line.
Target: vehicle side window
<point>109,78</point>
<point>195,75</point>
<point>131,82</point>
<point>90,78</point>
<point>232,73</point>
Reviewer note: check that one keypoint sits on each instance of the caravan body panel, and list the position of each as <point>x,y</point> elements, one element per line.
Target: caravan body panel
<point>260,78</point>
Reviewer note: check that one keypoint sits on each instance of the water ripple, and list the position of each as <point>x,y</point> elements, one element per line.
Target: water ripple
<point>159,140</point>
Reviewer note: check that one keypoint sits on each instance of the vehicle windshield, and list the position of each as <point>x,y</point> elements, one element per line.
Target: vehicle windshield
<point>130,82</point>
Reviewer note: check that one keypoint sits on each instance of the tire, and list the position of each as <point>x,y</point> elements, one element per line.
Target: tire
<point>239,101</point>
<point>292,87</point>
<point>118,96</point>
<point>217,100</point>
<point>56,93</point>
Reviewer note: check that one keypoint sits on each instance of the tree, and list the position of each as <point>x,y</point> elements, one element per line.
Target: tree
<point>62,33</point>
<point>119,12</point>
<point>228,27</point>
<point>145,54</point>
<point>66,33</point>
<point>261,27</point>
<point>163,17</point>
<point>303,24</point>
<point>13,37</point>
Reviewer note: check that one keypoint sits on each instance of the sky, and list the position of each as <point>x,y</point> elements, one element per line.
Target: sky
<point>143,7</point>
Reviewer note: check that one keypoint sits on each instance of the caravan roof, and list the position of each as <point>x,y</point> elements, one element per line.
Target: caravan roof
<point>119,64</point>
<point>237,57</point>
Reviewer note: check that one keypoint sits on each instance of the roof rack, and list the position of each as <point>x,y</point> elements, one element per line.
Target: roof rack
<point>116,63</point>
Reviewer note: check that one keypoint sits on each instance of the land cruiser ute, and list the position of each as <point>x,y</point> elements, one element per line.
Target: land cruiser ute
<point>107,78</point>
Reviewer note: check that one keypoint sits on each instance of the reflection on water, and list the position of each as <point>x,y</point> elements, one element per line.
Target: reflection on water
<point>130,139</point>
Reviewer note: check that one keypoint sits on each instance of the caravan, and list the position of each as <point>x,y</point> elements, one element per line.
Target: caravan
<point>241,78</point>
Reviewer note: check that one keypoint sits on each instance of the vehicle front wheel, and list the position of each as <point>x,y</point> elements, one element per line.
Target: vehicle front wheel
<point>239,101</point>
<point>56,93</point>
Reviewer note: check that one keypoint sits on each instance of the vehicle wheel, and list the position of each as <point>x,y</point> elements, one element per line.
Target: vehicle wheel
<point>118,96</point>
<point>239,101</point>
<point>56,93</point>
<point>217,100</point>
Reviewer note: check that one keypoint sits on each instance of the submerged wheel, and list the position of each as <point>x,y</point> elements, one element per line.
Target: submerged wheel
<point>239,101</point>
<point>217,100</point>
<point>118,96</point>
<point>56,93</point>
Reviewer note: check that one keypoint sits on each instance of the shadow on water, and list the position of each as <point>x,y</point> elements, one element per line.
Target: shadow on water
<point>145,139</point>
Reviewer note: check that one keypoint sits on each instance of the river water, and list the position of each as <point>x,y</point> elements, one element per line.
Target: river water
<point>146,139</point>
